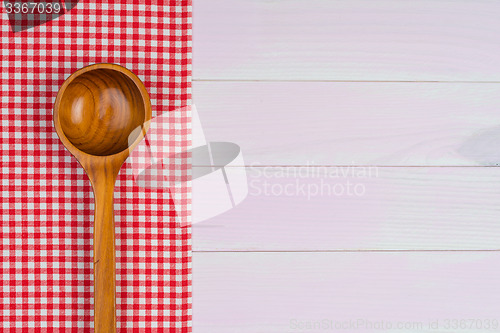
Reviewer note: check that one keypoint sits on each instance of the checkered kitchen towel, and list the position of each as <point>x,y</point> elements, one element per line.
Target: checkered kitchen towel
<point>47,201</point>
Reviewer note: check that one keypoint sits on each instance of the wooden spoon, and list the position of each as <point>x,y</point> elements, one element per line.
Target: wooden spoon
<point>96,115</point>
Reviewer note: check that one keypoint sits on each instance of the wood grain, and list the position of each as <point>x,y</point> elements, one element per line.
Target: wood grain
<point>245,56</point>
<point>395,124</point>
<point>345,40</point>
<point>275,292</point>
<point>97,110</point>
<point>353,208</point>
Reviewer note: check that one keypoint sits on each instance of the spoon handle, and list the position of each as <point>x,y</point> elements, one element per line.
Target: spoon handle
<point>103,183</point>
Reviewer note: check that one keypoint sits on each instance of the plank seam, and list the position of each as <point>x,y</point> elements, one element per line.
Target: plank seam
<point>344,251</point>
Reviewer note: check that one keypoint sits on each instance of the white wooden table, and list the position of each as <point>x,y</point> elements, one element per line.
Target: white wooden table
<point>407,88</point>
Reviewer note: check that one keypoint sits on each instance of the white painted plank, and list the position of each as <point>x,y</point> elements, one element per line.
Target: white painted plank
<point>346,40</point>
<point>354,123</point>
<point>276,292</point>
<point>336,208</point>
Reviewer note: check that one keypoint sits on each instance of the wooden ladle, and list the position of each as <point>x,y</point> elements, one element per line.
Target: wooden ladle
<point>96,115</point>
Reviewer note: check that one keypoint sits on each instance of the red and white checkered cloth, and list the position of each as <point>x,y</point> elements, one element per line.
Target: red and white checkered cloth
<point>47,201</point>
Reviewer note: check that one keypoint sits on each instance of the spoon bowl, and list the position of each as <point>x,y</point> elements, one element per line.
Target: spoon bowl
<point>97,114</point>
<point>99,108</point>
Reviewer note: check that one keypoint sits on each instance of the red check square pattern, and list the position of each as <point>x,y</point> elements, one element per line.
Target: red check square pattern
<point>47,201</point>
